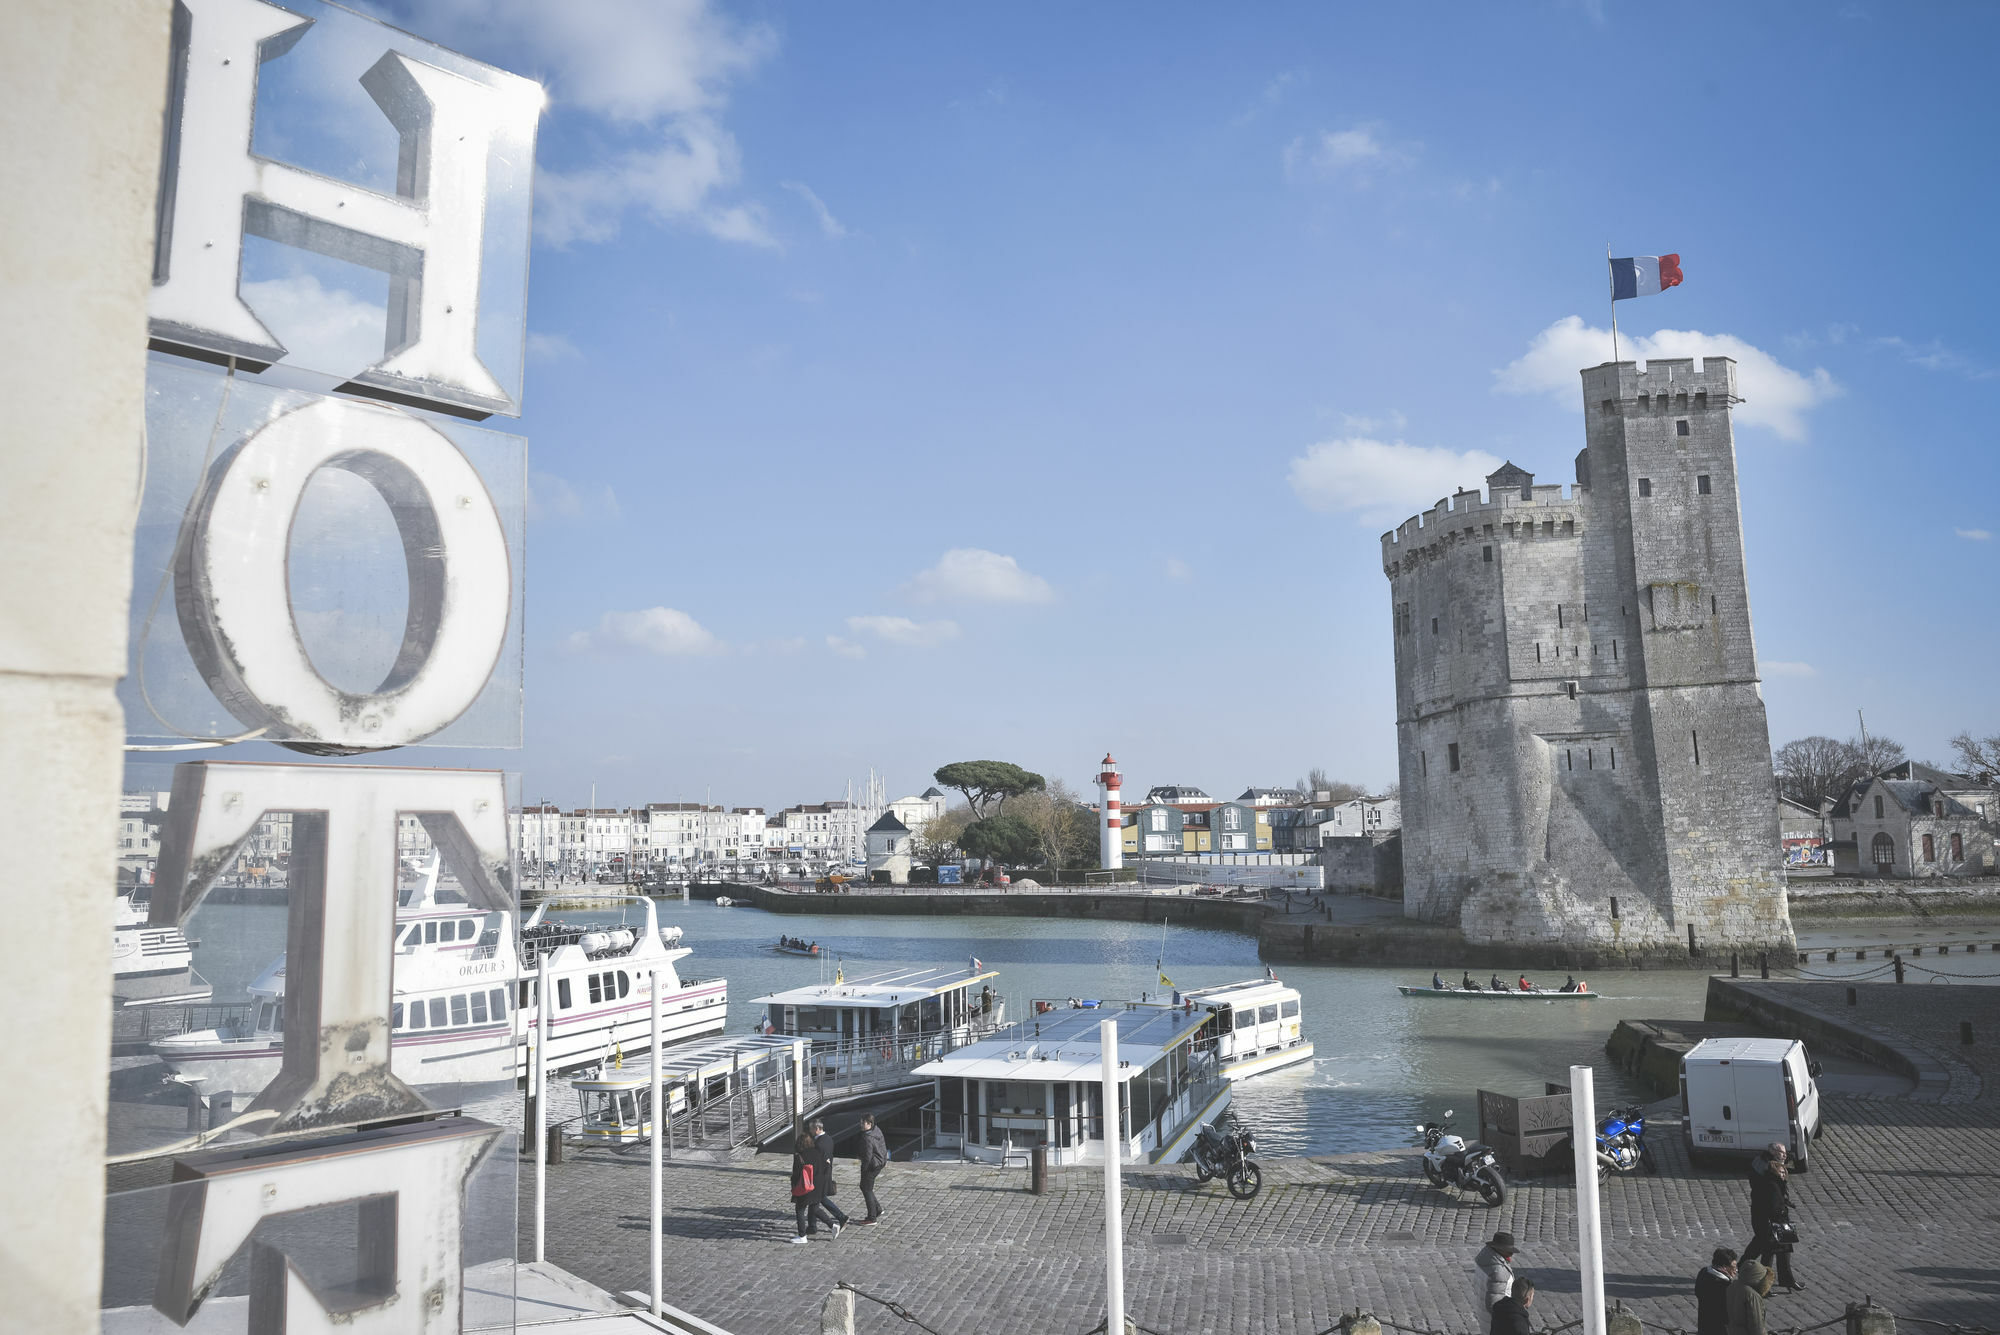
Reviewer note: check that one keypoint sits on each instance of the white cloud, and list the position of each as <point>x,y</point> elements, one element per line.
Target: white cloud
<point>552,348</point>
<point>328,329</point>
<point>1774,668</point>
<point>1178,569</point>
<point>845,648</point>
<point>1364,425</point>
<point>974,575</point>
<point>903,631</point>
<point>1775,396</point>
<point>663,631</point>
<point>1974,534</point>
<point>829,224</point>
<point>552,497</point>
<point>1351,155</point>
<point>658,70</point>
<point>1376,478</point>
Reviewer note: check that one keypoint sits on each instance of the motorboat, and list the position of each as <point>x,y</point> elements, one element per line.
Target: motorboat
<point>465,1003</point>
<point>1258,1026</point>
<point>788,945</point>
<point>151,966</point>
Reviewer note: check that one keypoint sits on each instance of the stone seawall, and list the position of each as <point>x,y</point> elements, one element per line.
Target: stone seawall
<point>1127,906</point>
<point>1444,948</point>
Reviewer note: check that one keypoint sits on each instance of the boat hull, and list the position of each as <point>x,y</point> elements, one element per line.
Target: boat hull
<point>1463,995</point>
<point>1265,1063</point>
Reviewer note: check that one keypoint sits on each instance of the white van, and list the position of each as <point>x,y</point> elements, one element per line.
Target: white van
<point>1740,1094</point>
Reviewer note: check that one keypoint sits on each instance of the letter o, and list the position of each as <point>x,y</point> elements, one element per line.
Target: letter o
<point>233,593</point>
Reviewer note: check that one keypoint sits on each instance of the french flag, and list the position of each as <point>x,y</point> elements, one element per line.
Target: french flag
<point>1644,275</point>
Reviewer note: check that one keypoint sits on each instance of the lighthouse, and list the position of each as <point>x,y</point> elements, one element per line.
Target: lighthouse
<point>1110,835</point>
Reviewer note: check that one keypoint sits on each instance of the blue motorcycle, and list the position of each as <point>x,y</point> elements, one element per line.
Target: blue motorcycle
<point>1621,1142</point>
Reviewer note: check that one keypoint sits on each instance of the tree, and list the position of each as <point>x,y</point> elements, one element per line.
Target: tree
<point>1318,781</point>
<point>1004,838</point>
<point>1815,769</point>
<point>1065,829</point>
<point>1978,757</point>
<point>937,842</point>
<point>987,783</point>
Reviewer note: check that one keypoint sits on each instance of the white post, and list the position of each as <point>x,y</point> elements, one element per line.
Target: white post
<point>1114,1152</point>
<point>1589,1230</point>
<point>659,1129</point>
<point>544,1015</point>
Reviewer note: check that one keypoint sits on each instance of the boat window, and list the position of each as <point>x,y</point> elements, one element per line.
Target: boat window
<point>596,987</point>
<point>430,933</point>
<point>437,1012</point>
<point>499,998</point>
<point>1246,1018</point>
<point>458,1015</point>
<point>624,983</point>
<point>479,1008</point>
<point>264,1015</point>
<point>1267,1015</point>
<point>527,993</point>
<point>415,935</point>
<point>416,1015</point>
<point>467,929</point>
<point>562,994</point>
<point>1289,1009</point>
<point>397,1021</point>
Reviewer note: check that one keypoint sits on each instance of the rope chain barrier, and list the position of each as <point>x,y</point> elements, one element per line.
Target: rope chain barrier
<point>896,1308</point>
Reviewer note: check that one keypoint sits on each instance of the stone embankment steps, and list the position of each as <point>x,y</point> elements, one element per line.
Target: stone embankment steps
<point>1912,1029</point>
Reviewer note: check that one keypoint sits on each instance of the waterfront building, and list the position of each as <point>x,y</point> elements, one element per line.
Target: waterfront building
<point>890,846</point>
<point>140,816</point>
<point>1910,828</point>
<point>917,812</point>
<point>1581,738</point>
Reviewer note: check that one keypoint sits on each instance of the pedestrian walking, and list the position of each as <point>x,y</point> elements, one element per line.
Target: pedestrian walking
<point>1711,1293</point>
<point>823,1170</point>
<point>874,1157</point>
<point>1772,1234</point>
<point>1746,1298</point>
<point>1510,1314</point>
<point>1495,1266</point>
<point>807,1202</point>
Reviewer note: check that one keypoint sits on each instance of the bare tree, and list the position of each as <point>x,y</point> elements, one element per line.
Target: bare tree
<point>1814,769</point>
<point>1978,757</point>
<point>937,842</point>
<point>1318,781</point>
<point>1065,829</point>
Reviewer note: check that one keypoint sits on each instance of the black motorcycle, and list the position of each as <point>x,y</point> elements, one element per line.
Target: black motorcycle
<point>1450,1162</point>
<point>1223,1149</point>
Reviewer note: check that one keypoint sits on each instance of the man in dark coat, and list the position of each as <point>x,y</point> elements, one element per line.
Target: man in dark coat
<point>874,1157</point>
<point>1510,1314</point>
<point>1771,1205</point>
<point>1711,1293</point>
<point>822,1158</point>
<point>807,1202</point>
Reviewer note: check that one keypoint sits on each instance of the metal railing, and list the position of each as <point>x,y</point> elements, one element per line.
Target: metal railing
<point>136,1025</point>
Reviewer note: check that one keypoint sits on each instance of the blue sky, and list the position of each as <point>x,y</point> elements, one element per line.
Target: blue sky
<point>915,383</point>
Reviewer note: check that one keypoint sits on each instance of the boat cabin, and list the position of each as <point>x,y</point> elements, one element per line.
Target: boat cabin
<point>1040,1082</point>
<point>1258,1027</point>
<point>911,1012</point>
<point>617,1102</point>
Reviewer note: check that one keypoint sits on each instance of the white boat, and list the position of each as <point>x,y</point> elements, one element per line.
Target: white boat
<point>151,966</point>
<point>1257,1026</point>
<point>903,1015</point>
<point>464,1000</point>
<point>617,1100</point>
<point>1489,994</point>
<point>1040,1083</point>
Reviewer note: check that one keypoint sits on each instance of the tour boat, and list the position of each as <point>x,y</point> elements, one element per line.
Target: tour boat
<point>1488,994</point>
<point>465,999</point>
<point>617,1100</point>
<point>1040,1082</point>
<point>788,946</point>
<point>1257,1026</point>
<point>151,966</point>
<point>903,1014</point>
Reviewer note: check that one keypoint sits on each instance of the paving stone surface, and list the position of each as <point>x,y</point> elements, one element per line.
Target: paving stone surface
<point>1902,1203</point>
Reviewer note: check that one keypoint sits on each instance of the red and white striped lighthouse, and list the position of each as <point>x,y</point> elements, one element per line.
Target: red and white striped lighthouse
<point>1110,834</point>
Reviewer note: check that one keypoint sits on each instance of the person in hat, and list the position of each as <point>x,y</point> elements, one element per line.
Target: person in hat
<point>1495,1264</point>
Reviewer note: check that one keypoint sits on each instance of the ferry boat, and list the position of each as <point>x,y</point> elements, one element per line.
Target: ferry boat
<point>151,966</point>
<point>1257,1026</point>
<point>1040,1082</point>
<point>617,1101</point>
<point>465,999</point>
<point>900,1015</point>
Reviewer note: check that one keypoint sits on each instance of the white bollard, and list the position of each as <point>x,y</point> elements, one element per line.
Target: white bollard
<point>541,1079</point>
<point>1114,1233</point>
<point>1589,1228</point>
<point>659,1112</point>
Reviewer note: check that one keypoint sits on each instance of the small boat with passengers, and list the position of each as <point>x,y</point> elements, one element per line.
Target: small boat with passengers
<point>791,945</point>
<point>1522,990</point>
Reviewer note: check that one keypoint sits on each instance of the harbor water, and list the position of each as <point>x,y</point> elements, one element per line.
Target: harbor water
<point>1383,1062</point>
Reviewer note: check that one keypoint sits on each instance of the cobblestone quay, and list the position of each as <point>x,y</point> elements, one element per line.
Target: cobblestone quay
<point>1901,1203</point>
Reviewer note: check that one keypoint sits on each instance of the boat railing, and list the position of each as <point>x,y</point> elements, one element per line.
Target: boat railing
<point>140,1025</point>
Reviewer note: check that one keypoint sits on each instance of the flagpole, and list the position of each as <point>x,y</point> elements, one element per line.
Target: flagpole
<point>1613,284</point>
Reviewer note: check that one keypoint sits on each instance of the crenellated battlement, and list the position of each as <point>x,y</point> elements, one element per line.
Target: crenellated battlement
<point>1625,381</point>
<point>1450,517</point>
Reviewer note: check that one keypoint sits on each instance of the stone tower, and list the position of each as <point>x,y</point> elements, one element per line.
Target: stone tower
<point>1582,742</point>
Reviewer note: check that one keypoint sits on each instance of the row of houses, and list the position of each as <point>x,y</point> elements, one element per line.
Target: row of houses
<point>1910,820</point>
<point>1178,819</point>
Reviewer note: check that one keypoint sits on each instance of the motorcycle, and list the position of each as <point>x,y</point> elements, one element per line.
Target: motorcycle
<point>1450,1162</point>
<point>1621,1143</point>
<point>1223,1149</point>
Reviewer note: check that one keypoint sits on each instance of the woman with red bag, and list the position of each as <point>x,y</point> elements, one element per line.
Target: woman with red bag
<point>808,1187</point>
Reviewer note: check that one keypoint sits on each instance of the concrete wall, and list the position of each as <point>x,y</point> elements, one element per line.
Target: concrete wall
<point>1582,744</point>
<point>81,92</point>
